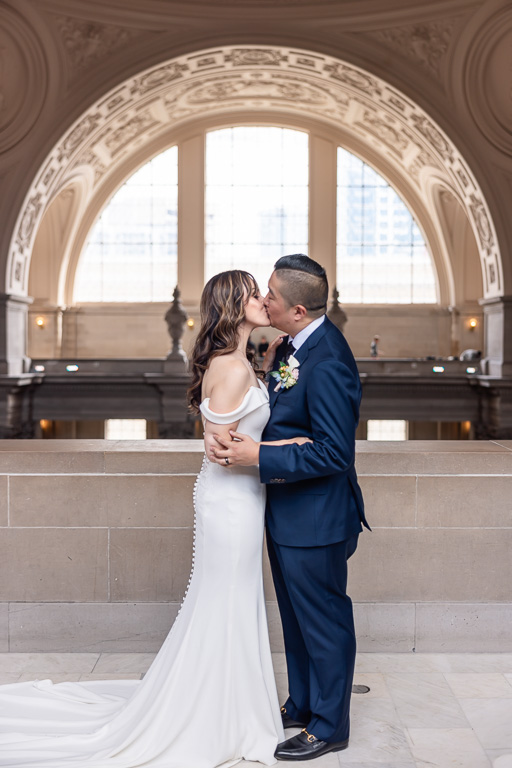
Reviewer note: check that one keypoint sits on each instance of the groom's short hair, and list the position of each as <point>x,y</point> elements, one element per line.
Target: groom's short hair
<point>303,281</point>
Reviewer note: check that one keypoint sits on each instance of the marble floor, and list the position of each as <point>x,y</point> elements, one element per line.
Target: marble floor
<point>422,711</point>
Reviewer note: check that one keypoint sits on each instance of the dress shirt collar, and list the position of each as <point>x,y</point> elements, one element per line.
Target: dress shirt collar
<point>299,338</point>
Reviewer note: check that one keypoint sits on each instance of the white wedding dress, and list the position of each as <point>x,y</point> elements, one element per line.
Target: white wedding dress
<point>209,697</point>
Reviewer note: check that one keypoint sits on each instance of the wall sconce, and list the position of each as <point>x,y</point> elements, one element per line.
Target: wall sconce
<point>472,324</point>
<point>40,322</point>
<point>44,424</point>
<point>191,322</point>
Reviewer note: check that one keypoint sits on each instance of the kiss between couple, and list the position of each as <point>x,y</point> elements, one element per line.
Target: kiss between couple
<point>284,457</point>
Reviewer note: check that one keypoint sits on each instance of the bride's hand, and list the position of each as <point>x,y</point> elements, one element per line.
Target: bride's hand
<point>241,450</point>
<point>270,354</point>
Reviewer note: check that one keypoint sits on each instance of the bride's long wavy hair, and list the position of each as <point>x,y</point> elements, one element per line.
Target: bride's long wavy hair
<point>222,313</point>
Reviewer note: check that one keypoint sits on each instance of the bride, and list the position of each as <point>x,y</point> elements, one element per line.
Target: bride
<point>209,697</point>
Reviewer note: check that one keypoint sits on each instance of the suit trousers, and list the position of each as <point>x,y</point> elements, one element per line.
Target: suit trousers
<point>319,635</point>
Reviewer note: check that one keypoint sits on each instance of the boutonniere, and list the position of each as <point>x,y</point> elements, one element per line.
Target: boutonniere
<point>287,374</point>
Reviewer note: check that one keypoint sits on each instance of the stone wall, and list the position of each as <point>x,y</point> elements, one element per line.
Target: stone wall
<point>96,544</point>
<point>140,331</point>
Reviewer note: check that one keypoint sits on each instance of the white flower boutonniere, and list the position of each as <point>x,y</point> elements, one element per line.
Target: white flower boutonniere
<point>287,374</point>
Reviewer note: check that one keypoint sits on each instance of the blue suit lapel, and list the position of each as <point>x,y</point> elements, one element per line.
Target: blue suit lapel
<point>300,355</point>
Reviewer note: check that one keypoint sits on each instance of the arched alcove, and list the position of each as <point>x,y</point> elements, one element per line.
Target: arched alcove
<point>120,129</point>
<point>461,241</point>
<point>54,238</point>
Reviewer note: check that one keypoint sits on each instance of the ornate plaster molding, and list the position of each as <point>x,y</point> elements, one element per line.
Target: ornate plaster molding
<point>23,77</point>
<point>255,78</point>
<point>489,68</point>
<point>424,43</point>
<point>359,14</point>
<point>86,42</point>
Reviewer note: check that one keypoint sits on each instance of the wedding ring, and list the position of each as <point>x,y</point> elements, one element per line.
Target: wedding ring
<point>226,460</point>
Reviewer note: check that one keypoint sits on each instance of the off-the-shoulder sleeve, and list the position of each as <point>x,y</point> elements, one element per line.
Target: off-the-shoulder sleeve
<point>253,398</point>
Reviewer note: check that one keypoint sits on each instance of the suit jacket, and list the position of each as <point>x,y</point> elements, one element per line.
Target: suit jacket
<point>313,497</point>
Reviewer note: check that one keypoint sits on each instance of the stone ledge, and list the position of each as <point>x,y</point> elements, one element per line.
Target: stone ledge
<point>185,457</point>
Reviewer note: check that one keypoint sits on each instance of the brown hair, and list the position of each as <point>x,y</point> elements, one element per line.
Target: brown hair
<point>222,313</point>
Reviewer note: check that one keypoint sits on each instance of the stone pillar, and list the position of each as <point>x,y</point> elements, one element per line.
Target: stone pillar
<point>322,204</point>
<point>191,159</point>
<point>13,334</point>
<point>455,348</point>
<point>497,336</point>
<point>16,411</point>
<point>176,422</point>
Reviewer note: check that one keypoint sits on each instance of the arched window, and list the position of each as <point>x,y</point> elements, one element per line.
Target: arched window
<point>131,254</point>
<point>256,198</point>
<point>256,210</point>
<point>381,255</point>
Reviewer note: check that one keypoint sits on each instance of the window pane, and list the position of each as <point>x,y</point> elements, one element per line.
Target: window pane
<point>125,429</point>
<point>256,198</point>
<point>387,429</point>
<point>382,257</point>
<point>131,254</point>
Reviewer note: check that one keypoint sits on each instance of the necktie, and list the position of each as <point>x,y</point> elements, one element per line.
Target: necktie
<point>290,350</point>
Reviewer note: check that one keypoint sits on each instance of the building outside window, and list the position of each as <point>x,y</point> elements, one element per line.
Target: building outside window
<point>381,254</point>
<point>131,254</point>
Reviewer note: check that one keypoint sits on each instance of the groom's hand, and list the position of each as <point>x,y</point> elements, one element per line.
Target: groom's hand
<point>243,450</point>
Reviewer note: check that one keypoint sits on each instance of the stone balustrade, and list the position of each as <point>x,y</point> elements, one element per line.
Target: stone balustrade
<point>96,545</point>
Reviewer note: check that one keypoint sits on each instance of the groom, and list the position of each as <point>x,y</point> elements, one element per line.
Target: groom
<point>314,504</point>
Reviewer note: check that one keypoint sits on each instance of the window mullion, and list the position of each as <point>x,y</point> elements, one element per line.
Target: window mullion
<point>191,188</point>
<point>322,204</point>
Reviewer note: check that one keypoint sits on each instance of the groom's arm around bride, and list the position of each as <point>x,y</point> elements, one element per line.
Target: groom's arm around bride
<point>317,481</point>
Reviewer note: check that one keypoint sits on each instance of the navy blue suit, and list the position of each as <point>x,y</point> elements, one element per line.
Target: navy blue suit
<point>314,515</point>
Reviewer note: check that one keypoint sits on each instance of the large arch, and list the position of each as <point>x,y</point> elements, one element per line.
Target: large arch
<point>378,122</point>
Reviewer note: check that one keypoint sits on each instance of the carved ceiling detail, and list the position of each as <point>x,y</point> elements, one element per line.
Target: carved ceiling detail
<point>86,42</point>
<point>257,3</point>
<point>23,77</point>
<point>489,66</point>
<point>426,44</point>
<point>255,78</point>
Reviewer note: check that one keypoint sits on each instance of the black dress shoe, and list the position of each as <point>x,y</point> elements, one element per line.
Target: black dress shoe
<point>289,722</point>
<point>305,746</point>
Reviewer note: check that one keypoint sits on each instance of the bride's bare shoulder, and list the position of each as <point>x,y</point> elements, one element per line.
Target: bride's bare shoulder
<point>229,372</point>
<point>222,364</point>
